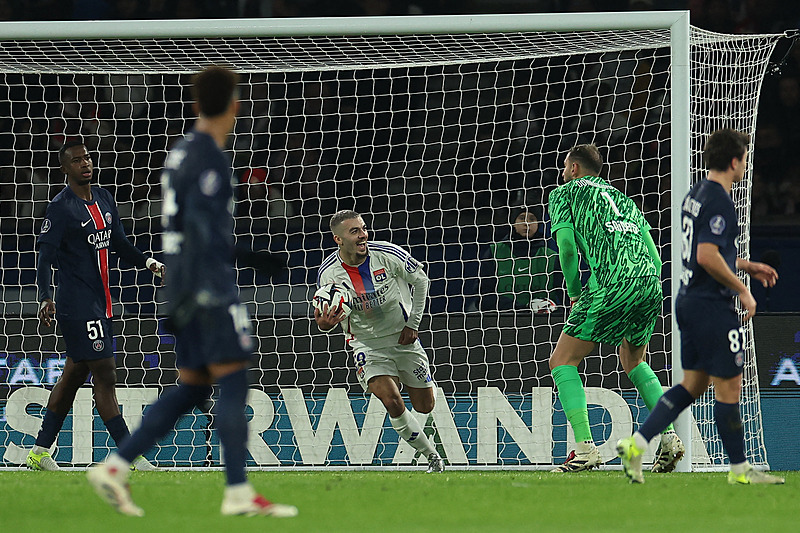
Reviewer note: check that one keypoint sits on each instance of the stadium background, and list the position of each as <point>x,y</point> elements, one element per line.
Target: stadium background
<point>776,178</point>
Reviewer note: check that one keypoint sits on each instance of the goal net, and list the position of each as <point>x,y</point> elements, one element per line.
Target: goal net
<point>438,130</point>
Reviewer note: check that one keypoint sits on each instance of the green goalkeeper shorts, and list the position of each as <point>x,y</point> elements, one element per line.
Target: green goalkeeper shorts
<point>625,310</point>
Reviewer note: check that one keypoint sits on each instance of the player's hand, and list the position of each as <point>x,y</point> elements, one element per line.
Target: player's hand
<point>46,311</point>
<point>763,273</point>
<point>159,269</point>
<point>407,336</point>
<point>748,304</point>
<point>328,318</point>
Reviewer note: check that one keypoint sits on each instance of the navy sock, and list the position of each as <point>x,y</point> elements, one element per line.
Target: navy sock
<point>161,417</point>
<point>667,409</point>
<point>118,429</point>
<point>51,425</point>
<point>731,432</point>
<point>231,423</point>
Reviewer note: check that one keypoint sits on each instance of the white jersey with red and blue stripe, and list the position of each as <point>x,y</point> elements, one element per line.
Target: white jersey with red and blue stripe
<point>389,291</point>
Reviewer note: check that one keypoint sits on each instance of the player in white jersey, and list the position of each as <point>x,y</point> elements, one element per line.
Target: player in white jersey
<point>382,327</point>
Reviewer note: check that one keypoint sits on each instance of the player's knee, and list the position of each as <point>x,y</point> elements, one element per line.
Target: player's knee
<point>393,404</point>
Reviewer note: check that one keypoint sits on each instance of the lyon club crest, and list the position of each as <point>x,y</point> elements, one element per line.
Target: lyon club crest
<point>380,274</point>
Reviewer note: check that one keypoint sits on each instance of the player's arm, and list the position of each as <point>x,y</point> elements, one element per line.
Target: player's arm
<point>570,262</point>
<point>762,272</point>
<point>131,254</point>
<point>421,284</point>
<point>711,260</point>
<point>44,273</point>
<point>267,263</point>
<point>651,249</point>
<point>412,272</point>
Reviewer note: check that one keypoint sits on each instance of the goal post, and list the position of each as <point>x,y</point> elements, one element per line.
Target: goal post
<point>437,129</point>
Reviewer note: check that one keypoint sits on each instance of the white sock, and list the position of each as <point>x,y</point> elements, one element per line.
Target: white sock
<point>585,446</point>
<point>740,468</point>
<point>240,491</point>
<point>640,441</point>
<point>39,449</point>
<point>411,431</point>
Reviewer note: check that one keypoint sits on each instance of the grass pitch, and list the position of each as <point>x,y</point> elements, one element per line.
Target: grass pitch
<point>403,501</point>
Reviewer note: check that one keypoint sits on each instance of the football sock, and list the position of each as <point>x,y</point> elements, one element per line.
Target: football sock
<point>573,400</point>
<point>240,491</point>
<point>231,423</point>
<point>411,431</point>
<point>666,410</point>
<point>646,382</point>
<point>118,429</point>
<point>731,431</point>
<point>161,417</point>
<point>51,425</point>
<point>740,468</point>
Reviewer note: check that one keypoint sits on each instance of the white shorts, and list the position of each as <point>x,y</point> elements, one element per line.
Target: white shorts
<point>409,364</point>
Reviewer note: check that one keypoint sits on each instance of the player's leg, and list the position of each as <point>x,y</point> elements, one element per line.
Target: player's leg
<point>569,352</point>
<point>666,410</point>
<point>407,426</point>
<point>110,478</point>
<point>670,449</point>
<point>104,383</point>
<point>104,389</point>
<point>727,392</point>
<point>58,405</point>
<point>230,421</point>
<point>423,401</point>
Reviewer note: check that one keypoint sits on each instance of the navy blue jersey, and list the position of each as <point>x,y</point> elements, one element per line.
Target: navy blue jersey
<point>197,214</point>
<point>707,215</point>
<point>76,236</point>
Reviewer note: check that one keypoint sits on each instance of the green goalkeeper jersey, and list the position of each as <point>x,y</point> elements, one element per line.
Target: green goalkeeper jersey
<point>608,229</point>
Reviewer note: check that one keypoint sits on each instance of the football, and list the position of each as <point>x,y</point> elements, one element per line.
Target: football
<point>334,296</point>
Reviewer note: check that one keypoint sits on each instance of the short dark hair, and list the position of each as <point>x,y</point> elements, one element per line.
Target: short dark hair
<point>588,157</point>
<point>723,146</point>
<point>67,145</point>
<point>214,89</point>
<point>341,216</point>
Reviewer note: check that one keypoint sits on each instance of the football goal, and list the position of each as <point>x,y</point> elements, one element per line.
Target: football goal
<point>438,130</point>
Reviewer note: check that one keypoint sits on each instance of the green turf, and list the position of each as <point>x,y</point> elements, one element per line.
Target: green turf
<point>407,501</point>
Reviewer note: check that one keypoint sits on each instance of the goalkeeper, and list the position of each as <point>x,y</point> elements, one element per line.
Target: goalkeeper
<point>382,328</point>
<point>619,304</point>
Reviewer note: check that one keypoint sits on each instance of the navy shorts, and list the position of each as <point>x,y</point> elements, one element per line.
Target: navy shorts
<point>712,336</point>
<point>214,335</point>
<point>88,340</point>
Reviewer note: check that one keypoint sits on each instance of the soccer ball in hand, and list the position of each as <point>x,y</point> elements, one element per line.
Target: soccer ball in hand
<point>334,296</point>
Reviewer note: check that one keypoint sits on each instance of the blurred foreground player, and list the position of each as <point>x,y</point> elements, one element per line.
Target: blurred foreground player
<point>712,338</point>
<point>212,328</point>
<point>80,228</point>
